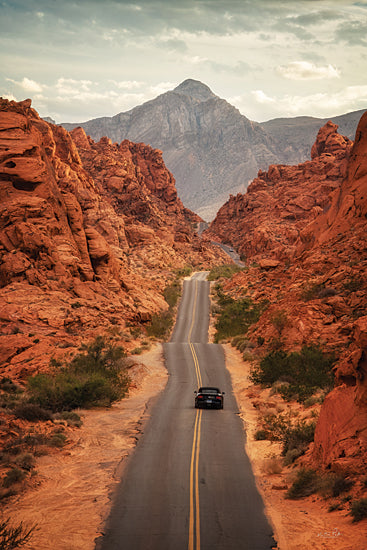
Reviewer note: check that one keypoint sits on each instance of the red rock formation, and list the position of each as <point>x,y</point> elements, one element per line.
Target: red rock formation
<point>306,227</point>
<point>82,248</point>
<point>266,221</point>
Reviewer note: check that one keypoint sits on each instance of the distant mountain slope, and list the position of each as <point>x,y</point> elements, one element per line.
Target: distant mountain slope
<point>211,149</point>
<point>209,146</point>
<point>295,136</point>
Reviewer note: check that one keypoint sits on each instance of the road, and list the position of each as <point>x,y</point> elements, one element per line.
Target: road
<point>189,484</point>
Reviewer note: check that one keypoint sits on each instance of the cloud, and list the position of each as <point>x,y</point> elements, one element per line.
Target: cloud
<point>352,32</point>
<point>27,84</point>
<point>127,84</point>
<point>320,104</point>
<point>303,70</point>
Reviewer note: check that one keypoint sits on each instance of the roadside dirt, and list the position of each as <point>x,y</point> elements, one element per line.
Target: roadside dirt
<point>298,524</point>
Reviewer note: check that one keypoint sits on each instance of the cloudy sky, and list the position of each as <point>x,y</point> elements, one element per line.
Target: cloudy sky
<point>80,59</point>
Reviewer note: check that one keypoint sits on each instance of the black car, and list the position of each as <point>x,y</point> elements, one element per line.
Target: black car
<point>208,397</point>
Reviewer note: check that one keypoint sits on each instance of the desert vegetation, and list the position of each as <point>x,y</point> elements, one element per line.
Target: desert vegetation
<point>298,375</point>
<point>13,537</point>
<point>95,376</point>
<point>234,317</point>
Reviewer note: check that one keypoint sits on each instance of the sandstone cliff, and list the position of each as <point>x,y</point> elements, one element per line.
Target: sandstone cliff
<point>83,249</point>
<point>266,221</point>
<point>304,227</point>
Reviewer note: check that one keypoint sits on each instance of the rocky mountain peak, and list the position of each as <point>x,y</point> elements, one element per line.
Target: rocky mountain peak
<point>195,89</point>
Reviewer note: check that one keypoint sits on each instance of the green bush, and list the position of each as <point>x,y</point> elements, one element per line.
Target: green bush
<point>304,371</point>
<point>7,385</point>
<point>359,509</point>
<point>279,320</point>
<point>225,271</point>
<point>96,376</point>
<point>71,418</point>
<point>58,440</point>
<point>235,316</point>
<point>305,484</point>
<point>172,292</point>
<point>161,324</point>
<point>261,435</point>
<point>340,485</point>
<point>312,291</point>
<point>13,537</point>
<point>26,461</point>
<point>298,437</point>
<point>13,476</point>
<point>32,412</point>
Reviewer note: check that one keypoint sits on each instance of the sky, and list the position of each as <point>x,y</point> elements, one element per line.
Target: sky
<point>82,59</point>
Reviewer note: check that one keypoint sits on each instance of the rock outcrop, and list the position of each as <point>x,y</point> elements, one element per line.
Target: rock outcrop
<point>89,236</point>
<point>305,229</point>
<point>267,220</point>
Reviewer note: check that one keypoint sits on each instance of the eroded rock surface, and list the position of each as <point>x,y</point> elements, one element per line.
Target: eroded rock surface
<point>302,230</point>
<point>89,236</point>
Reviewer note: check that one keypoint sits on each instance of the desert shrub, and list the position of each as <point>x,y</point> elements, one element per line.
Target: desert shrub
<point>304,371</point>
<point>71,418</point>
<point>13,537</point>
<point>32,412</point>
<point>225,271</point>
<point>279,320</point>
<point>96,376</point>
<point>359,509</point>
<point>292,455</point>
<point>161,324</point>
<point>26,461</point>
<point>261,435</point>
<point>13,476</point>
<point>272,465</point>
<point>298,437</point>
<point>235,316</point>
<point>7,385</point>
<point>172,292</point>
<point>184,271</point>
<point>295,437</point>
<point>58,440</point>
<point>305,484</point>
<point>312,291</point>
<point>340,485</point>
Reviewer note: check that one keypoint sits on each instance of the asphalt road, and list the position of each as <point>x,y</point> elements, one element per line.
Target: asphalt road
<point>189,484</point>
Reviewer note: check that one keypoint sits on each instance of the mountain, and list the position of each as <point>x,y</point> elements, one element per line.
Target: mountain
<point>209,146</point>
<point>302,229</point>
<point>295,136</point>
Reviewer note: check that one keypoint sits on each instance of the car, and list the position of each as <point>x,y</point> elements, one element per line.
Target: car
<point>209,397</point>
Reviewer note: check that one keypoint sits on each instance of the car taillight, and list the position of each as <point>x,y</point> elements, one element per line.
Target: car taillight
<point>200,397</point>
<point>218,397</point>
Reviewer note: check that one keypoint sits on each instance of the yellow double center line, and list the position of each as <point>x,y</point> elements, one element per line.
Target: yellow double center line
<point>194,521</point>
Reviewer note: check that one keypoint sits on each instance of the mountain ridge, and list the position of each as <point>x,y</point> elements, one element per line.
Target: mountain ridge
<point>210,147</point>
